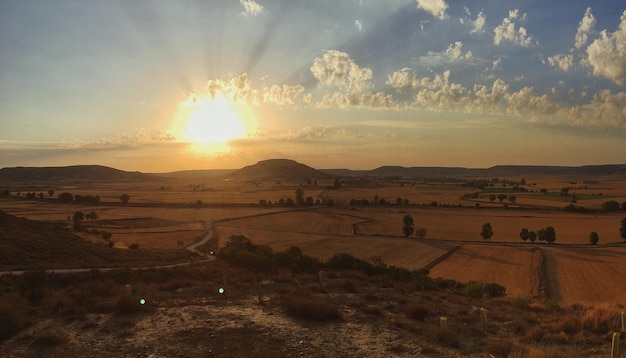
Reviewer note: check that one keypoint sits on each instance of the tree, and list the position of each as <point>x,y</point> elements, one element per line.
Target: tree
<point>524,234</point>
<point>565,191</point>
<point>543,191</point>
<point>91,216</point>
<point>610,206</point>
<point>420,233</point>
<point>124,198</point>
<point>106,236</point>
<point>501,197</point>
<point>512,199</point>
<point>492,197</point>
<point>487,231</point>
<point>622,229</point>
<point>532,236</point>
<point>407,229</point>
<point>299,196</point>
<point>78,218</point>
<point>593,238</point>
<point>550,234</point>
<point>66,197</point>
<point>541,235</point>
<point>50,192</point>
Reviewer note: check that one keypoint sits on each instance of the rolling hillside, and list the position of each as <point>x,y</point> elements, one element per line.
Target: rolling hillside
<point>75,172</point>
<point>28,244</point>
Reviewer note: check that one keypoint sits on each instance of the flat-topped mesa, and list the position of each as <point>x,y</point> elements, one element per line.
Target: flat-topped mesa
<point>278,169</point>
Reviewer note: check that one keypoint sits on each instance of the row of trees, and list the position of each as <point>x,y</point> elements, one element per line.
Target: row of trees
<point>547,234</point>
<point>502,197</point>
<point>300,200</point>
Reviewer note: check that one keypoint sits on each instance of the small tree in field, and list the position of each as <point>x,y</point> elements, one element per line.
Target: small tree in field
<point>541,235</point>
<point>622,229</point>
<point>501,197</point>
<point>550,234</point>
<point>420,233</point>
<point>532,236</point>
<point>593,238</point>
<point>492,197</point>
<point>407,229</point>
<point>487,231</point>
<point>524,234</point>
<point>124,198</point>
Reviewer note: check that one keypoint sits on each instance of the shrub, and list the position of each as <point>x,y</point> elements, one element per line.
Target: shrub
<point>473,289</point>
<point>500,347</point>
<point>310,308</point>
<point>126,305</point>
<point>522,303</point>
<point>552,306</point>
<point>11,321</point>
<point>493,290</point>
<point>445,338</point>
<point>416,311</point>
<point>34,286</point>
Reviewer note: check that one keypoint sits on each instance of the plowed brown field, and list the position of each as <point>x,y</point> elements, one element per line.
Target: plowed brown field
<point>508,266</point>
<point>586,275</point>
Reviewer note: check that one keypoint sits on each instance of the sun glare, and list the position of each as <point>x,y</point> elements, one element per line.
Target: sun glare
<point>213,121</point>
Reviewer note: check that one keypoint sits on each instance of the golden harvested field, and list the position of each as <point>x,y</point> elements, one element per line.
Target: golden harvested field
<point>412,254</point>
<point>161,214</point>
<point>511,267</point>
<point>586,275</point>
<point>464,224</point>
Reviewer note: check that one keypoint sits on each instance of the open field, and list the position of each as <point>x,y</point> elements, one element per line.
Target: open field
<point>586,276</point>
<point>163,213</point>
<point>512,267</point>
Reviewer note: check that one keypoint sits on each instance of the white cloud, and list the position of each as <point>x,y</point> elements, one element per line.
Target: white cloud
<point>282,95</point>
<point>358,100</point>
<point>478,25</point>
<point>237,90</point>
<point>403,80</point>
<point>496,64</point>
<point>435,7</point>
<point>605,111</point>
<point>584,28</point>
<point>358,24</point>
<point>251,8</point>
<point>508,30</point>
<point>336,68</point>
<point>455,52</point>
<point>564,62</point>
<point>607,54</point>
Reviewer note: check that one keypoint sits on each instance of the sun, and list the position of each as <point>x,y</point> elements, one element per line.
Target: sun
<point>212,121</point>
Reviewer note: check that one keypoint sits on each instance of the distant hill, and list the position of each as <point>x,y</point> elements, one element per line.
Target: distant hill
<point>278,169</point>
<point>197,174</point>
<point>28,244</point>
<point>75,172</point>
<point>586,172</point>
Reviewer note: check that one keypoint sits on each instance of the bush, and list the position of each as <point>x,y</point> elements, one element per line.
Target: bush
<point>473,289</point>
<point>11,321</point>
<point>306,306</point>
<point>416,311</point>
<point>126,305</point>
<point>34,286</point>
<point>493,290</point>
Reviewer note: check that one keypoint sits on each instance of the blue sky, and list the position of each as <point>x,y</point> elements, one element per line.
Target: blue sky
<point>173,85</point>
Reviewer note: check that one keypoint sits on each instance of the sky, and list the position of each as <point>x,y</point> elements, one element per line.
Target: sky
<point>159,86</point>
